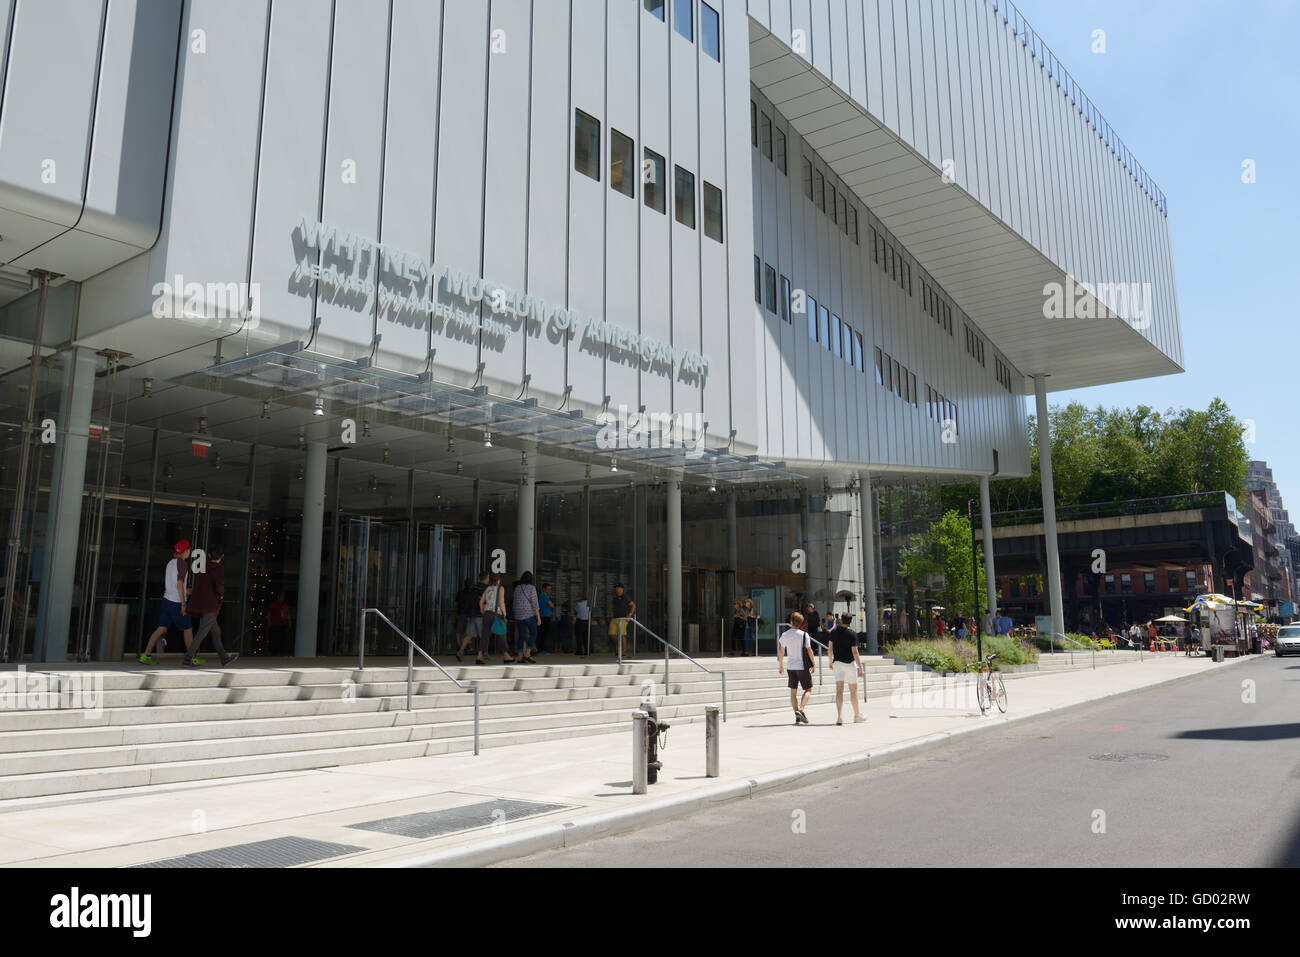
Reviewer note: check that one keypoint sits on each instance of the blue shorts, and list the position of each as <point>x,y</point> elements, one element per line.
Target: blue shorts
<point>171,616</point>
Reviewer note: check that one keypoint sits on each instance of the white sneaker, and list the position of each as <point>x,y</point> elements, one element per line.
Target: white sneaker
<point>859,718</point>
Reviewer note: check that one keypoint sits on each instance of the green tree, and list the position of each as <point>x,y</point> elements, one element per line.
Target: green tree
<point>945,549</point>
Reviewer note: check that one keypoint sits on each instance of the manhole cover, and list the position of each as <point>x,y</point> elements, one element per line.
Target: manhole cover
<point>1129,756</point>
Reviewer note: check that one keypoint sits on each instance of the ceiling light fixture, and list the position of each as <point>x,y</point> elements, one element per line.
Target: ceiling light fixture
<point>266,408</point>
<point>299,473</point>
<point>451,445</point>
<point>203,425</point>
<point>302,439</point>
<point>148,389</point>
<point>487,440</point>
<point>460,467</point>
<point>613,464</point>
<point>365,428</point>
<point>388,454</point>
<point>320,406</point>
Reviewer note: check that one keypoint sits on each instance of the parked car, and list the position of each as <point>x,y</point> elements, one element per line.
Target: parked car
<point>1287,641</point>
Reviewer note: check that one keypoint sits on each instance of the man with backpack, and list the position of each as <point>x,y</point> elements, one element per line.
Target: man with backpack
<point>205,601</point>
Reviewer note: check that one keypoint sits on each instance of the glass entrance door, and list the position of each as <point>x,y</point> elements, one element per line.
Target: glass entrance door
<point>371,574</point>
<point>445,557</point>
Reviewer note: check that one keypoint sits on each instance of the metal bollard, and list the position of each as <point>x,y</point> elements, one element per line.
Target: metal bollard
<point>639,752</point>
<point>712,745</point>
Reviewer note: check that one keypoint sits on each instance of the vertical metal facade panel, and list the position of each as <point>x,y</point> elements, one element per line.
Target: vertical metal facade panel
<point>871,46</point>
<point>410,161</point>
<point>6,21</point>
<point>779,23</point>
<point>839,34</point>
<point>623,370</point>
<point>289,167</point>
<point>936,140</point>
<point>820,36</point>
<point>683,73</point>
<point>133,104</point>
<point>902,70</point>
<point>505,198</point>
<point>759,10</point>
<point>715,293</point>
<point>922,101</point>
<point>788,194</point>
<point>43,165</point>
<point>587,198</point>
<point>458,223</point>
<point>853,30</point>
<point>205,235</point>
<point>656,231</point>
<point>800,439</point>
<point>551,139</point>
<point>354,165</point>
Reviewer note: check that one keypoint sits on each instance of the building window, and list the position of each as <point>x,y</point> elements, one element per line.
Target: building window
<point>806,164</point>
<point>753,123</point>
<point>848,345</point>
<point>911,388</point>
<point>832,199</point>
<point>819,189</point>
<point>875,246</point>
<point>709,32</point>
<point>825,324</point>
<point>586,145</point>
<point>684,197</point>
<point>765,134</point>
<point>860,359</point>
<point>1173,583</point>
<point>907,270</point>
<point>769,288</point>
<point>1191,581</point>
<point>1126,584</point>
<point>880,367</point>
<point>622,158</point>
<point>853,225</point>
<point>684,18</point>
<point>655,7</point>
<point>837,328</point>
<point>1149,582</point>
<point>712,211</point>
<point>812,320</point>
<point>785,299</point>
<point>844,213</point>
<point>780,151</point>
<point>655,173</point>
<point>758,280</point>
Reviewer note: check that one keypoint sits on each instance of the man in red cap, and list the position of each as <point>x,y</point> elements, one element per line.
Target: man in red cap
<point>175,611</point>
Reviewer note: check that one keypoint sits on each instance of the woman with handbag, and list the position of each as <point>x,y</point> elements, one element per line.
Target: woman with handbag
<point>794,654</point>
<point>492,604</point>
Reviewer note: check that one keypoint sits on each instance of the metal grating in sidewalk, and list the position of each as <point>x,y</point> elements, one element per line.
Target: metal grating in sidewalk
<point>275,852</point>
<point>433,823</point>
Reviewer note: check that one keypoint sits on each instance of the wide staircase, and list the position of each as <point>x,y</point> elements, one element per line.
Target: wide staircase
<point>165,725</point>
<point>1068,660</point>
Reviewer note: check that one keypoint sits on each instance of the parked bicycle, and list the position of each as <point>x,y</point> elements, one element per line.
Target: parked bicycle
<point>989,687</point>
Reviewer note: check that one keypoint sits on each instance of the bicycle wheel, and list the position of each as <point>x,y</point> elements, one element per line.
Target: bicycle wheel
<point>982,692</point>
<point>999,692</point>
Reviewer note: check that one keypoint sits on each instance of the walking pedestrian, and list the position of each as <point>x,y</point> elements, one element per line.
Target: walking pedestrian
<point>466,616</point>
<point>174,612</point>
<point>545,639</point>
<point>939,626</point>
<point>479,627</point>
<point>848,667</point>
<point>582,631</point>
<point>528,616</point>
<point>1004,623</point>
<point>794,655</point>
<point>492,604</point>
<point>205,601</point>
<point>623,609</point>
<point>751,627</point>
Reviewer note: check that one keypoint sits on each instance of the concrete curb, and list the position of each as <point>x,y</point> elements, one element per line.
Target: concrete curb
<point>548,837</point>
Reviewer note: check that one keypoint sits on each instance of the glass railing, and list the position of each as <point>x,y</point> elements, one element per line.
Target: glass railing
<point>1137,506</point>
<point>1080,99</point>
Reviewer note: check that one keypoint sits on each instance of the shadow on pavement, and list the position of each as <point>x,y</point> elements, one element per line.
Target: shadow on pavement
<point>1258,732</point>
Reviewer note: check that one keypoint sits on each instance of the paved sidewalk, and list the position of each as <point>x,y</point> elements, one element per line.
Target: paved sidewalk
<point>580,788</point>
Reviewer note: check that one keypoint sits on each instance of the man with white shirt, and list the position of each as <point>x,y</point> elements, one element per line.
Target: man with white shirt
<point>790,649</point>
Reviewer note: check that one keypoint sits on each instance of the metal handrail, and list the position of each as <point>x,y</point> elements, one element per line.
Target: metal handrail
<point>411,648</point>
<point>1065,637</point>
<point>671,647</point>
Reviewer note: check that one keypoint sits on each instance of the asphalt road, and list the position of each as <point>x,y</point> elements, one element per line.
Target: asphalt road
<point>1188,774</point>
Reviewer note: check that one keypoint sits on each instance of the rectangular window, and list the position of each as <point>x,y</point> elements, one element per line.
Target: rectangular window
<point>1110,584</point>
<point>925,297</point>
<point>875,246</point>
<point>844,214</point>
<point>622,163</point>
<point>812,320</point>
<point>806,165</point>
<point>785,299</point>
<point>832,199</point>
<point>769,288</point>
<point>709,40</point>
<point>849,345</point>
<point>753,123</point>
<point>898,378</point>
<point>861,359</point>
<point>1191,581</point>
<point>911,386</point>
<point>684,197</point>
<point>929,401</point>
<point>780,151</point>
<point>765,134</point>
<point>758,280</point>
<point>1126,584</point>
<point>837,327</point>
<point>586,144</point>
<point>655,175</point>
<point>907,268</point>
<point>819,189</point>
<point>684,18</point>
<point>889,373</point>
<point>853,226</point>
<point>825,325</point>
<point>1149,582</point>
<point>655,7</point>
<point>712,211</point>
<point>880,367</point>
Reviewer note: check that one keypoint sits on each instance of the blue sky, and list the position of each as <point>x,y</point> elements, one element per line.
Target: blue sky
<point>1194,88</point>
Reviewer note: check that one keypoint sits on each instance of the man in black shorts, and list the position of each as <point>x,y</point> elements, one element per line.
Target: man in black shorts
<point>790,657</point>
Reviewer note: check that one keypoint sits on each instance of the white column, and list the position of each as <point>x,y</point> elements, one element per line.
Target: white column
<point>674,635</point>
<point>313,525</point>
<point>1049,507</point>
<point>990,580</point>
<point>63,522</point>
<point>733,548</point>
<point>526,522</point>
<point>867,542</point>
